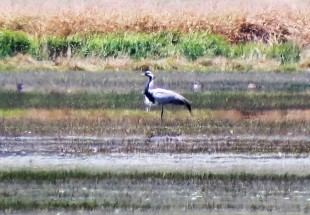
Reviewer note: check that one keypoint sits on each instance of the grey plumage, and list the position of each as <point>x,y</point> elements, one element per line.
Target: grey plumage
<point>162,96</point>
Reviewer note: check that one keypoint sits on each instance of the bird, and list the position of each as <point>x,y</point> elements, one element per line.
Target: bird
<point>252,86</point>
<point>196,87</point>
<point>147,103</point>
<point>163,96</point>
<point>20,87</point>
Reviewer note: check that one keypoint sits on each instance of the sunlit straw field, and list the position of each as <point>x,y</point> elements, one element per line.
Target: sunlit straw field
<point>254,26</point>
<point>267,21</point>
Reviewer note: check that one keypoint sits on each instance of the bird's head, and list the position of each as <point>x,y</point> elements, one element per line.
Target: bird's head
<point>148,73</point>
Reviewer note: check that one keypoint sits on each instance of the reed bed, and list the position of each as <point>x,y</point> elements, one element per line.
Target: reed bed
<point>141,45</point>
<point>271,32</point>
<point>240,21</point>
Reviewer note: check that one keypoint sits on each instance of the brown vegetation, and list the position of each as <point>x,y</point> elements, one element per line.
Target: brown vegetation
<point>27,63</point>
<point>62,122</point>
<point>240,21</point>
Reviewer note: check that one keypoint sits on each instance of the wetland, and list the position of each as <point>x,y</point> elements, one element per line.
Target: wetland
<point>74,136</point>
<point>73,143</point>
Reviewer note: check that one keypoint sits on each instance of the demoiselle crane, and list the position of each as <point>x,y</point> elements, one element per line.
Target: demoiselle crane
<point>147,103</point>
<point>162,96</point>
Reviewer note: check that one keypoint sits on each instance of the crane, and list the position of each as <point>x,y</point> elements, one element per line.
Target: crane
<point>147,103</point>
<point>163,96</point>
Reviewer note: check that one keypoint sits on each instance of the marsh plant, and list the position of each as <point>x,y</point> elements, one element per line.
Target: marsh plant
<point>141,45</point>
<point>133,32</point>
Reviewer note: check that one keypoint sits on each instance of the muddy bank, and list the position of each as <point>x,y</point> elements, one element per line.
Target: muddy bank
<point>187,144</point>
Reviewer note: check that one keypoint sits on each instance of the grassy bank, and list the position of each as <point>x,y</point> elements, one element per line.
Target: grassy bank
<point>142,45</point>
<point>169,50</point>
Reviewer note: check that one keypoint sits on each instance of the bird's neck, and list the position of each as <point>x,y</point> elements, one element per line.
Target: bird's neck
<point>147,92</point>
<point>147,87</point>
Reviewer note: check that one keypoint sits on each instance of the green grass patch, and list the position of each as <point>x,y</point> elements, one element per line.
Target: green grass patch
<point>154,45</point>
<point>125,123</point>
<point>134,196</point>
<point>13,42</point>
<point>197,45</point>
<point>26,204</point>
<point>8,113</point>
<point>81,100</point>
<point>67,175</point>
<point>109,100</point>
<point>285,53</point>
<point>250,101</point>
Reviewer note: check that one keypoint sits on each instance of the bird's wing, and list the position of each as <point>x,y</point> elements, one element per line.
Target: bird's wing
<point>163,96</point>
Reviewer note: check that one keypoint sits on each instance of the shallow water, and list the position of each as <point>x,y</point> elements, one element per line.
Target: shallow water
<point>159,153</point>
<point>216,163</point>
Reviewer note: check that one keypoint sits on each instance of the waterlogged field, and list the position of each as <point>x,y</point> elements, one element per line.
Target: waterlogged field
<point>81,142</point>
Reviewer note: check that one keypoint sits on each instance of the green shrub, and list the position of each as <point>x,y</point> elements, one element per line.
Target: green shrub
<point>143,45</point>
<point>55,46</point>
<point>197,45</point>
<point>248,50</point>
<point>12,43</point>
<point>286,52</point>
<point>35,50</point>
<point>130,44</point>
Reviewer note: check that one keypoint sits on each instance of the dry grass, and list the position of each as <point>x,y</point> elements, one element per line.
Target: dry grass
<point>22,62</point>
<point>240,21</point>
<point>59,122</point>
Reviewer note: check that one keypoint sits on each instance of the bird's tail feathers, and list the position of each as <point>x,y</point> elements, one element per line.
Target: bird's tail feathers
<point>188,105</point>
<point>183,101</point>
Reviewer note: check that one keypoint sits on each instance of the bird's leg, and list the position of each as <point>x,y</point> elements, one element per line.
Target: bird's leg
<point>162,112</point>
